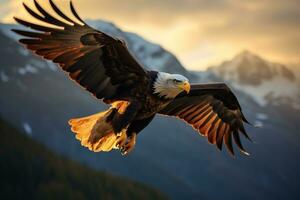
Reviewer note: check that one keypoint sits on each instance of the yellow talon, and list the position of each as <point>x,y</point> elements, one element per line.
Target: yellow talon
<point>129,146</point>
<point>121,140</point>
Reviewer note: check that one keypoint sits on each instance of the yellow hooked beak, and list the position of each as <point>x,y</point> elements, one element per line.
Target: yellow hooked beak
<point>185,86</point>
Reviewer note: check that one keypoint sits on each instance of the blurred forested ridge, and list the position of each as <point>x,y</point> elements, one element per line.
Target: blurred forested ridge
<point>30,171</point>
<point>39,98</point>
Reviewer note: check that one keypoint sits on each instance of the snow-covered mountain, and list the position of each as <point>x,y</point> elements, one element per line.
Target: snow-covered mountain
<point>264,81</point>
<point>295,68</point>
<point>151,55</point>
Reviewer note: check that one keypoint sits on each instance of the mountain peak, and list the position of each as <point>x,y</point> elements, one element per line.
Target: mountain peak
<point>250,57</point>
<point>262,79</point>
<point>248,68</point>
<point>246,53</point>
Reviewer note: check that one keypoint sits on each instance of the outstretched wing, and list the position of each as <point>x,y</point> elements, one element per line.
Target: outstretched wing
<point>98,62</point>
<point>213,110</point>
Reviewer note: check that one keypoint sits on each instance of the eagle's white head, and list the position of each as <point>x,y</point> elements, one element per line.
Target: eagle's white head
<point>170,85</point>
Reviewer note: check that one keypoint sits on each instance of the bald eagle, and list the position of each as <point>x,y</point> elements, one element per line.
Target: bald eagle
<point>103,66</point>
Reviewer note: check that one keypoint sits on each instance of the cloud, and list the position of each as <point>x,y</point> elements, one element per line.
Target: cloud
<point>199,32</point>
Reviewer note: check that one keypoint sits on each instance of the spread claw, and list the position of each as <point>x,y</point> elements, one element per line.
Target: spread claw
<point>121,140</point>
<point>129,146</point>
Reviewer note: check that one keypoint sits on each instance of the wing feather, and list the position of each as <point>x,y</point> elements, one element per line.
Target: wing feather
<point>60,13</point>
<point>213,110</point>
<point>98,62</point>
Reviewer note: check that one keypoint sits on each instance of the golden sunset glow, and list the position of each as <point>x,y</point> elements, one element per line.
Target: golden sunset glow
<point>199,32</point>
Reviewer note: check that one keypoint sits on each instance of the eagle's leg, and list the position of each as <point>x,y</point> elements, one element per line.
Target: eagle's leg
<point>129,145</point>
<point>132,130</point>
<point>125,115</point>
<point>121,139</point>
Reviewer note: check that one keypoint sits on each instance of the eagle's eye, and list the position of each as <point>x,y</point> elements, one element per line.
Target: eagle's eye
<point>176,81</point>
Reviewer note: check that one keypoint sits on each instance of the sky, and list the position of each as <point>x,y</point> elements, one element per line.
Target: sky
<point>200,33</point>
